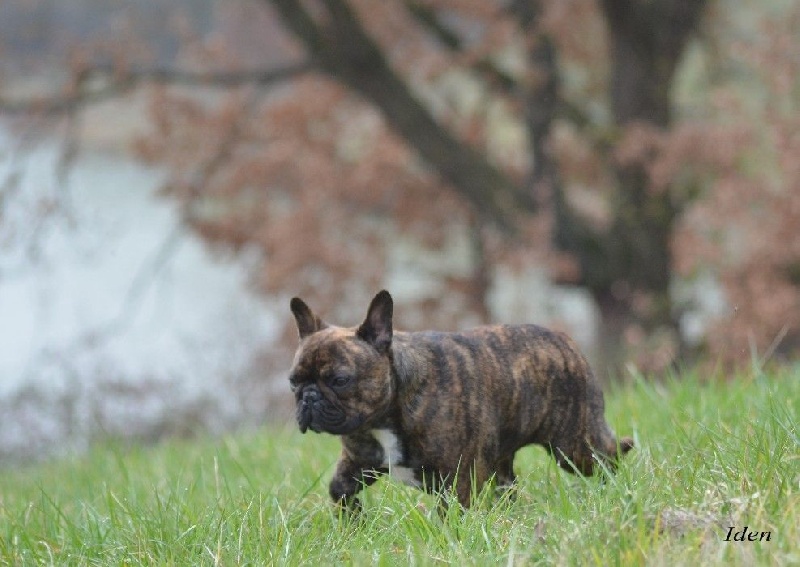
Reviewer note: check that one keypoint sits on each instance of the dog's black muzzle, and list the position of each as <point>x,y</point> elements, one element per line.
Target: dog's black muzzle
<point>318,414</point>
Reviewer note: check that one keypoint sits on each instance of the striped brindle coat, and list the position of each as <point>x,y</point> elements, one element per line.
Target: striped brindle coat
<point>446,409</point>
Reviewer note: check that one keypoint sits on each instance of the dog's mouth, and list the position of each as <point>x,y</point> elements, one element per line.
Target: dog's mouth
<point>303,417</point>
<point>348,426</point>
<point>320,415</point>
<point>314,412</point>
<point>322,418</point>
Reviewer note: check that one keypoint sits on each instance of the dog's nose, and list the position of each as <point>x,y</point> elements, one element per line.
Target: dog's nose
<point>308,401</point>
<point>310,395</point>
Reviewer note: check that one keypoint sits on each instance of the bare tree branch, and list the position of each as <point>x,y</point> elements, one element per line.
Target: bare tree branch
<point>105,82</point>
<point>429,19</point>
<point>341,47</point>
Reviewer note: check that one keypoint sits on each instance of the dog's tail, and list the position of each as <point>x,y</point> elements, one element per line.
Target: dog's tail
<point>618,450</point>
<point>625,445</point>
<point>610,455</point>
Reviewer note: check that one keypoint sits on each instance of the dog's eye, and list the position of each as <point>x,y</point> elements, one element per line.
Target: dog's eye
<point>339,381</point>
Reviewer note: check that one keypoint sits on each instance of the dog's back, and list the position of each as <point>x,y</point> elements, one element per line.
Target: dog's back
<point>515,385</point>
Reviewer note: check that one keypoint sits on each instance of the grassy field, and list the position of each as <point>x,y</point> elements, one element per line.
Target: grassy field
<point>709,456</point>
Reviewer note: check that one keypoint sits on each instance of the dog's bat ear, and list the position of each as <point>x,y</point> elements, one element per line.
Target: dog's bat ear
<point>377,327</point>
<point>307,322</point>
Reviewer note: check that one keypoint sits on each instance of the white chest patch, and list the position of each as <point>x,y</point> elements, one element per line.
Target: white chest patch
<point>393,454</point>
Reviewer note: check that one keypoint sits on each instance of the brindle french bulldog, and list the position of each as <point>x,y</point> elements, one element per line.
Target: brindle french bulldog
<point>445,409</point>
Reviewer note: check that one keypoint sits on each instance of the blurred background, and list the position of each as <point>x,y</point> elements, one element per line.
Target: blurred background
<point>173,171</point>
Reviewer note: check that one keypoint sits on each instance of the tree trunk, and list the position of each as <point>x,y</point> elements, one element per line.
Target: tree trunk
<point>647,40</point>
<point>615,318</point>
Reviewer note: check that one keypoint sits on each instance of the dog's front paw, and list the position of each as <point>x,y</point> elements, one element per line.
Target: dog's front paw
<point>348,508</point>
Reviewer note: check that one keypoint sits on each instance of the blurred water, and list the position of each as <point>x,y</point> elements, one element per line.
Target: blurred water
<point>103,294</point>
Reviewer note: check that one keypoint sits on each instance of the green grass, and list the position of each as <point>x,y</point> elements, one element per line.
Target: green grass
<point>708,456</point>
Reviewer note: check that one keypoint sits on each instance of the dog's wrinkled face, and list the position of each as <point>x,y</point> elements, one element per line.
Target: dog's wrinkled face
<point>341,378</point>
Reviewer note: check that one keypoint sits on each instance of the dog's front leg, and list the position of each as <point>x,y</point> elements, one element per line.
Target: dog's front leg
<point>350,477</point>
